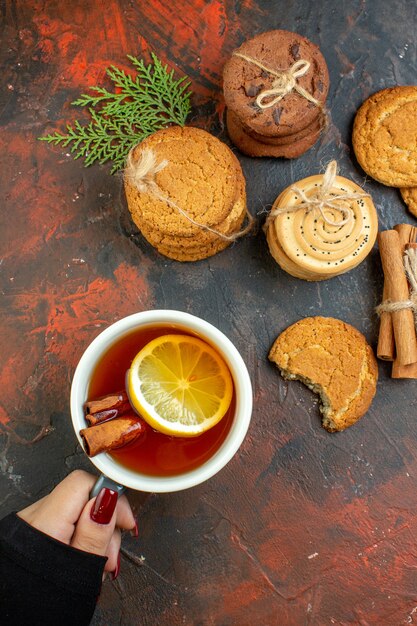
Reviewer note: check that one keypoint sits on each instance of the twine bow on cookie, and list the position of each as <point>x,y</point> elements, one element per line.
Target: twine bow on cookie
<point>284,82</point>
<point>322,199</point>
<point>410,266</point>
<point>141,174</point>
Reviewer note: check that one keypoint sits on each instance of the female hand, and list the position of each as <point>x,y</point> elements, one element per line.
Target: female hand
<point>93,525</point>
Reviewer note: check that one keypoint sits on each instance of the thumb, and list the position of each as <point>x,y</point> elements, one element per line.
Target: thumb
<point>96,523</point>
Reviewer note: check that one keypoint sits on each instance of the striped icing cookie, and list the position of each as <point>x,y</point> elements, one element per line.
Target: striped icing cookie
<point>327,242</point>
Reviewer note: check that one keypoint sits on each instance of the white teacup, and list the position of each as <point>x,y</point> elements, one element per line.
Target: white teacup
<point>124,477</point>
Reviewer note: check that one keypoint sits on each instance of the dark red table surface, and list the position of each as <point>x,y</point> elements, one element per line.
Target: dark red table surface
<point>302,527</point>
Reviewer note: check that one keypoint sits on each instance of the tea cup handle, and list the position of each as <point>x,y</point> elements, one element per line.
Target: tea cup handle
<point>104,481</point>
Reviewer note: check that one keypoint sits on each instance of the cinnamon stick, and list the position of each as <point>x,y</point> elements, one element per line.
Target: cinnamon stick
<point>406,232</point>
<point>397,291</point>
<point>405,371</point>
<point>96,410</point>
<point>112,434</point>
<point>386,345</point>
<point>97,418</point>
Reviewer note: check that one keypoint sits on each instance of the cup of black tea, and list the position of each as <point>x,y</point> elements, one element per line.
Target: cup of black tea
<point>156,461</point>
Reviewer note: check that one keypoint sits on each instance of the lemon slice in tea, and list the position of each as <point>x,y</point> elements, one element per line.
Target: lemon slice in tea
<point>180,385</point>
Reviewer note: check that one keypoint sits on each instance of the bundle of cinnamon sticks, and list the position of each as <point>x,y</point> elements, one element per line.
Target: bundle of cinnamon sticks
<point>112,424</point>
<point>397,334</point>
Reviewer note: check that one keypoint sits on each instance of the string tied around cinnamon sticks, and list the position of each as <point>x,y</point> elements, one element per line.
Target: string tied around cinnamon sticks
<point>285,82</point>
<point>321,200</point>
<point>410,267</point>
<point>141,173</point>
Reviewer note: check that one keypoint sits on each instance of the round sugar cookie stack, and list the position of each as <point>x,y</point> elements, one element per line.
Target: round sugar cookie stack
<point>186,193</point>
<point>275,87</point>
<point>314,244</point>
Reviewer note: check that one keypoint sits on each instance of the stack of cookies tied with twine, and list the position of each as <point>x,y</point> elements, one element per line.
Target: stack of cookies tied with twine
<point>275,87</point>
<point>186,193</point>
<point>321,226</point>
<point>385,140</point>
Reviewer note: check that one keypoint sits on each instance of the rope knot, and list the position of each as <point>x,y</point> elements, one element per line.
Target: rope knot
<point>321,200</point>
<point>141,173</point>
<point>285,81</point>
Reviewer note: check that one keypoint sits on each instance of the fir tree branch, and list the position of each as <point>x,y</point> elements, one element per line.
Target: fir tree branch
<point>120,120</point>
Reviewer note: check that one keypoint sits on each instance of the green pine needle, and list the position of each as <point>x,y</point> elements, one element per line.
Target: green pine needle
<point>119,121</point>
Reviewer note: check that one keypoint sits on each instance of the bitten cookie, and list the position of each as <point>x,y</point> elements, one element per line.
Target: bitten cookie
<point>244,81</point>
<point>409,195</point>
<point>385,136</point>
<point>334,360</point>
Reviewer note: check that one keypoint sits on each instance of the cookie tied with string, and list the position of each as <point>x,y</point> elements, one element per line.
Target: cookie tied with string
<point>275,88</point>
<point>186,193</point>
<point>321,226</point>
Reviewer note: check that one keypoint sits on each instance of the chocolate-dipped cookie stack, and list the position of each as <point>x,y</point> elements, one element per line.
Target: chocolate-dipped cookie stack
<point>275,88</point>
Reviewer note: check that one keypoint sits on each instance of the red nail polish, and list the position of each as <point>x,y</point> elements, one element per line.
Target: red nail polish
<point>117,570</point>
<point>103,508</point>
<point>135,531</point>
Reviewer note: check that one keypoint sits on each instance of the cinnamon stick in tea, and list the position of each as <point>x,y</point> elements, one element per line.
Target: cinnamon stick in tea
<point>112,434</point>
<point>397,291</point>
<point>106,407</point>
<point>405,371</point>
<point>96,418</point>
<point>110,401</point>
